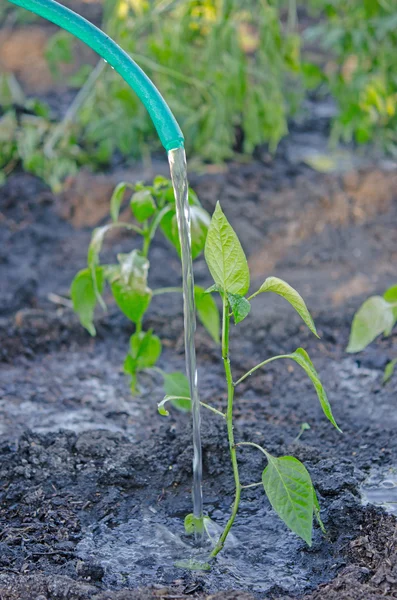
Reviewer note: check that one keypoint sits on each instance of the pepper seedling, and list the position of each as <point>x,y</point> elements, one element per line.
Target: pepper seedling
<point>153,209</point>
<point>376,316</point>
<point>285,479</point>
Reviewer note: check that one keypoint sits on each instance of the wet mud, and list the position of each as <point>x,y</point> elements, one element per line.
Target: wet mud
<point>95,484</point>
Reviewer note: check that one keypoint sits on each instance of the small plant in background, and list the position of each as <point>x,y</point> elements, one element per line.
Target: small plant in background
<point>361,38</point>
<point>224,67</point>
<point>153,209</point>
<point>31,139</point>
<point>285,479</point>
<point>376,316</point>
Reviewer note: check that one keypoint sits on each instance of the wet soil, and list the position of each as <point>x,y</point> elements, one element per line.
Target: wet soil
<point>95,484</point>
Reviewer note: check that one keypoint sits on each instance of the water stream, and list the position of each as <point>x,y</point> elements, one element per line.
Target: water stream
<point>177,160</point>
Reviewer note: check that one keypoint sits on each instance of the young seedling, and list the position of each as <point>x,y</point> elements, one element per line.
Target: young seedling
<point>285,479</point>
<point>153,208</point>
<point>376,316</point>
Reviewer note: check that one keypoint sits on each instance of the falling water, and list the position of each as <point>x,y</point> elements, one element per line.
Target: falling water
<point>177,160</point>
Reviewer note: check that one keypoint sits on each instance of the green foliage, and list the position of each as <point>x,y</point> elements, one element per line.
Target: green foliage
<point>362,38</point>
<point>376,316</point>
<point>208,312</point>
<point>224,68</point>
<point>128,278</point>
<point>285,480</point>
<point>389,370</point>
<point>283,289</point>
<point>240,307</point>
<point>83,293</point>
<point>26,131</point>
<point>289,488</point>
<point>176,386</point>
<point>302,358</point>
<point>225,257</point>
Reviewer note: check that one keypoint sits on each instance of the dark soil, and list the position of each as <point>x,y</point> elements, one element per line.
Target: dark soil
<point>95,484</point>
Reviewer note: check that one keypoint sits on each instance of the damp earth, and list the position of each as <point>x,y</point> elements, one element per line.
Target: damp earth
<point>95,483</point>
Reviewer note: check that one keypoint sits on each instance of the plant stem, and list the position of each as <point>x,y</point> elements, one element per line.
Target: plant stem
<point>254,446</point>
<point>214,410</point>
<point>262,364</point>
<point>251,485</point>
<point>229,420</point>
<point>167,290</point>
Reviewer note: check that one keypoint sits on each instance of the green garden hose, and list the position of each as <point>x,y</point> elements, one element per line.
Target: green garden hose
<point>167,128</point>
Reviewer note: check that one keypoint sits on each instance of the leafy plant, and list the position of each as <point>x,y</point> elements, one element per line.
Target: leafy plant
<point>361,36</point>
<point>376,316</point>
<point>285,479</point>
<point>153,208</point>
<point>26,136</point>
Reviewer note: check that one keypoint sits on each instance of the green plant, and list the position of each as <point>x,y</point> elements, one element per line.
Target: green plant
<point>153,208</point>
<point>27,133</point>
<point>285,480</point>
<point>361,37</point>
<point>222,65</point>
<point>376,316</point>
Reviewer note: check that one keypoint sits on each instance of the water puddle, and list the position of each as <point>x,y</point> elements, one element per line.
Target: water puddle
<point>261,558</point>
<point>380,489</point>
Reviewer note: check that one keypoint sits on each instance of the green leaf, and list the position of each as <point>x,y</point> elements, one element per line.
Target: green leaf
<point>208,312</point>
<point>302,358</point>
<point>373,317</point>
<point>145,350</point>
<point>199,223</point>
<point>176,401</point>
<point>240,307</point>
<point>225,257</point>
<point>213,288</point>
<point>128,284</point>
<point>389,370</point>
<point>193,524</point>
<point>142,205</point>
<point>176,386</point>
<point>391,296</point>
<point>83,296</point>
<point>96,245</point>
<point>93,257</point>
<point>116,200</point>
<point>316,509</point>
<point>192,564</point>
<point>289,488</point>
<point>282,288</point>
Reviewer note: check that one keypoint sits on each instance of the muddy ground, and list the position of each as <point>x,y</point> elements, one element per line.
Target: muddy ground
<point>95,484</point>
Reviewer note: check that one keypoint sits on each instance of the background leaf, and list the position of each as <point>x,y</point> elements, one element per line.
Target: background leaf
<point>317,514</point>
<point>391,296</point>
<point>176,384</point>
<point>199,223</point>
<point>208,312</point>
<point>282,288</point>
<point>128,284</point>
<point>225,257</point>
<point>373,317</point>
<point>289,488</point>
<point>145,350</point>
<point>142,205</point>
<point>116,200</point>
<point>389,370</point>
<point>83,296</point>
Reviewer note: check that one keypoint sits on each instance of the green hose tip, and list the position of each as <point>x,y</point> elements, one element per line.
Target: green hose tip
<point>164,121</point>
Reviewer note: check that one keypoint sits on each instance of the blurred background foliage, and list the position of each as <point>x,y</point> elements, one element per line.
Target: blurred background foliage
<point>233,72</point>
